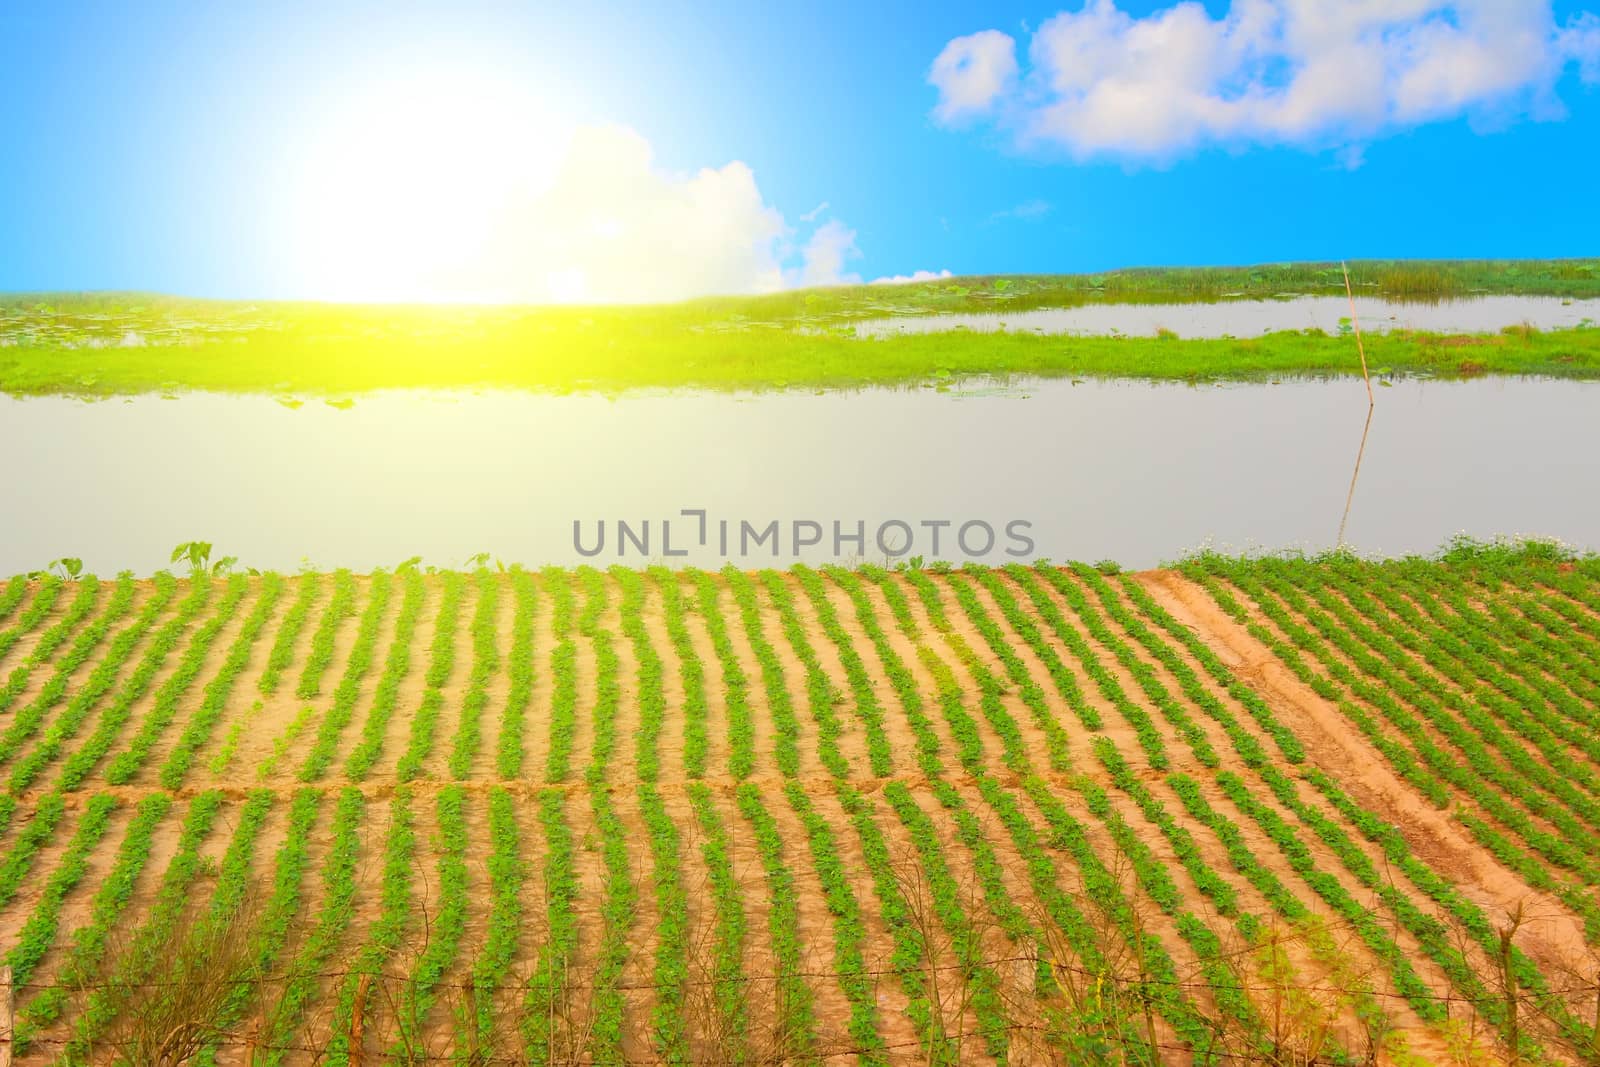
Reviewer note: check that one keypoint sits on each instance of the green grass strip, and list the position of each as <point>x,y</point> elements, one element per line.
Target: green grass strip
<point>696,743</point>
<point>289,630</point>
<point>786,745</point>
<point>735,684</point>
<point>650,696</point>
<point>485,662</point>
<point>507,872</point>
<point>341,606</point>
<point>671,970</point>
<point>548,986</point>
<point>607,669</point>
<point>425,722</point>
<point>618,908</point>
<point>509,749</point>
<point>730,924</point>
<point>563,674</point>
<point>446,926</point>
<point>796,1014</point>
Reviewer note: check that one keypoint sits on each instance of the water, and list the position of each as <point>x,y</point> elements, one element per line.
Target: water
<point>1135,472</point>
<point>1251,318</point>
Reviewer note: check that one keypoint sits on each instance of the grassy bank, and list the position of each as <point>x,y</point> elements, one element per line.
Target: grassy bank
<point>105,344</point>
<point>580,358</point>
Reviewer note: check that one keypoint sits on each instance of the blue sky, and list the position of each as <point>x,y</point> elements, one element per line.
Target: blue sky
<point>165,146</point>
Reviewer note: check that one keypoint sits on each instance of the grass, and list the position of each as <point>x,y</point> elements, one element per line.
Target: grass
<point>75,344</point>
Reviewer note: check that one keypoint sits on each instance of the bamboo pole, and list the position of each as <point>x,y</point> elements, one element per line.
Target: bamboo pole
<point>1356,323</point>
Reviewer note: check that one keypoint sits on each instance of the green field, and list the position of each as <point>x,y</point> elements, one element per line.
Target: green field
<point>115,344</point>
<point>1279,811</point>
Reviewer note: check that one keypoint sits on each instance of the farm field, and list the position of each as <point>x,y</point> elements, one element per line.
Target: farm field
<point>1285,811</point>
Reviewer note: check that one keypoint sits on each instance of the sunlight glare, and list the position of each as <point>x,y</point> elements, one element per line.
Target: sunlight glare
<point>410,185</point>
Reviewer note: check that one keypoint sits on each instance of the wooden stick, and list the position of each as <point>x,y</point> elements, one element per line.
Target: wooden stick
<point>357,1016</point>
<point>1356,322</point>
<point>8,1016</point>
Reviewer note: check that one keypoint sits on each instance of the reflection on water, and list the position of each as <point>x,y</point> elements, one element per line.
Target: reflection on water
<point>1355,475</point>
<point>1135,472</point>
<point>1251,318</point>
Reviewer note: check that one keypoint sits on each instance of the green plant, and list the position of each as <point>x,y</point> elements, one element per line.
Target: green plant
<point>197,554</point>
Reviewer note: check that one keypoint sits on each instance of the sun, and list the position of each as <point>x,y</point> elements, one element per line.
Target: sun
<point>409,186</point>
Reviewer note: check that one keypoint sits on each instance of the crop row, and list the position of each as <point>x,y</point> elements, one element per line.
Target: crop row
<point>27,720</point>
<point>385,698</point>
<point>735,684</point>
<point>696,743</point>
<point>509,750</point>
<point>485,663</point>
<point>425,720</point>
<point>47,592</point>
<point>348,691</point>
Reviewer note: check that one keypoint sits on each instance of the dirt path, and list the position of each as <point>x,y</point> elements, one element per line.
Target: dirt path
<point>1333,746</point>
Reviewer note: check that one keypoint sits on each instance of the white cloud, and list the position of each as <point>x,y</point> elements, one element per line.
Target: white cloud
<point>1313,73</point>
<point>633,232</point>
<point>589,216</point>
<point>914,276</point>
<point>823,258</point>
<point>972,72</point>
<point>628,231</point>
